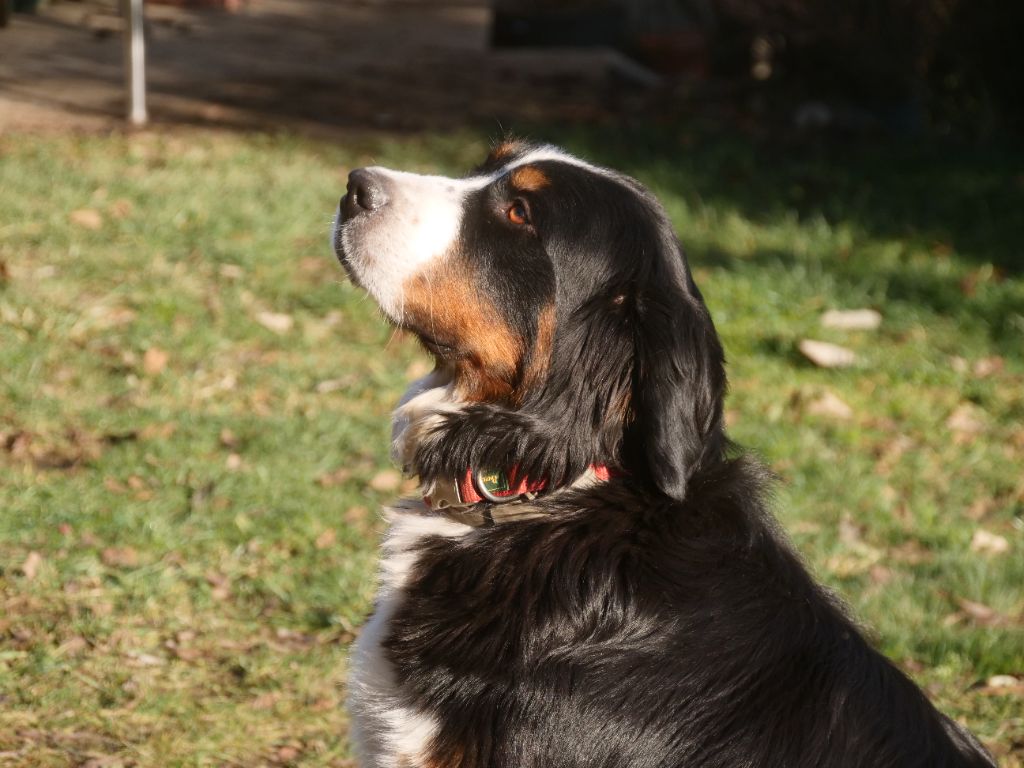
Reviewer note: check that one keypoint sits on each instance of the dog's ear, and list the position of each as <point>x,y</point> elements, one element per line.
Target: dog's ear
<point>678,381</point>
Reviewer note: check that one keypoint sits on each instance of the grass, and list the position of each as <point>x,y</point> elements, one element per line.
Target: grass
<point>194,408</point>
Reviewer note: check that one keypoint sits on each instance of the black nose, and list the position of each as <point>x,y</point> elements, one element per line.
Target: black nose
<point>365,193</point>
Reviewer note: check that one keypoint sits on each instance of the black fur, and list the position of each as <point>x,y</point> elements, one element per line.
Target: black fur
<point>657,620</point>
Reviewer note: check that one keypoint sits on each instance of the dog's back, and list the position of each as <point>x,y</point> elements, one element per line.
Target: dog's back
<point>627,631</point>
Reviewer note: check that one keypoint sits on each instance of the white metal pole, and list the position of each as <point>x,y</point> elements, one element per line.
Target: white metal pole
<point>135,61</point>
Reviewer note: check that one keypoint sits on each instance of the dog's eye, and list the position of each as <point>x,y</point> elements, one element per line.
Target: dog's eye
<point>518,213</point>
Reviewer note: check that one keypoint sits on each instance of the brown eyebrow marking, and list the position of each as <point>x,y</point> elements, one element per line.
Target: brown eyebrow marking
<point>529,179</point>
<point>504,150</point>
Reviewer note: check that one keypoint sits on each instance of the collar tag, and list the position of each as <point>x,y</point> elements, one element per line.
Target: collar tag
<point>493,485</point>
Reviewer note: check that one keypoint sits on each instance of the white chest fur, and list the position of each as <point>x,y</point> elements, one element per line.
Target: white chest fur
<point>385,730</point>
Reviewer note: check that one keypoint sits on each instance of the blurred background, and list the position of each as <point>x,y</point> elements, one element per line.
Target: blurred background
<point>194,404</point>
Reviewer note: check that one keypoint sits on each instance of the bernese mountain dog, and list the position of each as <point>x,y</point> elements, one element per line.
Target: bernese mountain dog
<point>591,575</point>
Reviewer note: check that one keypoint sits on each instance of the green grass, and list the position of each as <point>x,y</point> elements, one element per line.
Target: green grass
<point>187,540</point>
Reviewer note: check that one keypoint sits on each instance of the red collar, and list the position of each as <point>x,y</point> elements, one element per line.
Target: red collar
<point>494,486</point>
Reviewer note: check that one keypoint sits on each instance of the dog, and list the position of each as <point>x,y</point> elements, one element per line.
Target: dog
<point>591,575</point>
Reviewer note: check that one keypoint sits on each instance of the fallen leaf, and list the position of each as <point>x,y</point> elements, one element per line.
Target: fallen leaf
<point>158,431</point>
<point>265,700</point>
<point>966,419</point>
<point>830,405</point>
<point>232,271</point>
<point>332,385</point>
<point>980,508</point>
<point>278,322</point>
<point>30,568</point>
<point>849,532</point>
<point>87,218</point>
<point>911,552</point>
<point>121,208</point>
<point>826,355</point>
<point>326,539</point>
<point>989,543</point>
<point>880,574</point>
<point>386,480</point>
<point>981,614</point>
<point>73,646</point>
<point>851,319</point>
<point>288,753</point>
<point>141,659</point>
<point>220,585</point>
<point>356,515</point>
<point>119,557</point>
<point>337,477</point>
<point>988,366</point>
<point>154,361</point>
<point>1003,681</point>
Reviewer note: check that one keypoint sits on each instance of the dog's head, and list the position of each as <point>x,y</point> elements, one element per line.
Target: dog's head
<point>557,302</point>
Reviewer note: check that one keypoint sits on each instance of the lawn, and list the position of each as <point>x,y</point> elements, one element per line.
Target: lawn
<point>194,419</point>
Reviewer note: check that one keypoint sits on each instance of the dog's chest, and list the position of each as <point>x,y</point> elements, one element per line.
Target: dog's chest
<point>386,731</point>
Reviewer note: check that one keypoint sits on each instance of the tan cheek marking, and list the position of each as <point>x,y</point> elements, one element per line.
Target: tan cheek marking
<point>529,179</point>
<point>445,302</point>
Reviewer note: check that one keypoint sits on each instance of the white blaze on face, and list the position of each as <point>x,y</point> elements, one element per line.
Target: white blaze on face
<point>419,223</point>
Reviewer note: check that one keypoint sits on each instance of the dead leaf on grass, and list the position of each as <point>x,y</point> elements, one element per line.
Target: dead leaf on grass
<point>158,431</point>
<point>288,753</point>
<point>121,208</point>
<point>278,322</point>
<point>220,585</point>
<point>155,360</point>
<point>333,385</point>
<point>232,271</point>
<point>356,515</point>
<point>119,557</point>
<point>989,543</point>
<point>829,405</point>
<point>988,366</point>
<point>826,355</point>
<point>87,218</point>
<point>852,319</point>
<point>966,420</point>
<point>31,564</point>
<point>326,539</point>
<point>335,477</point>
<point>386,480</point>
<point>976,613</point>
<point>911,552</point>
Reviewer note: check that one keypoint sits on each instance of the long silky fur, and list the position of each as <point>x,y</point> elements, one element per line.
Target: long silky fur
<point>658,620</point>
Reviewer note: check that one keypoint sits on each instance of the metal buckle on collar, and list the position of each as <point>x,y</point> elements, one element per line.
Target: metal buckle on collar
<point>489,482</point>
